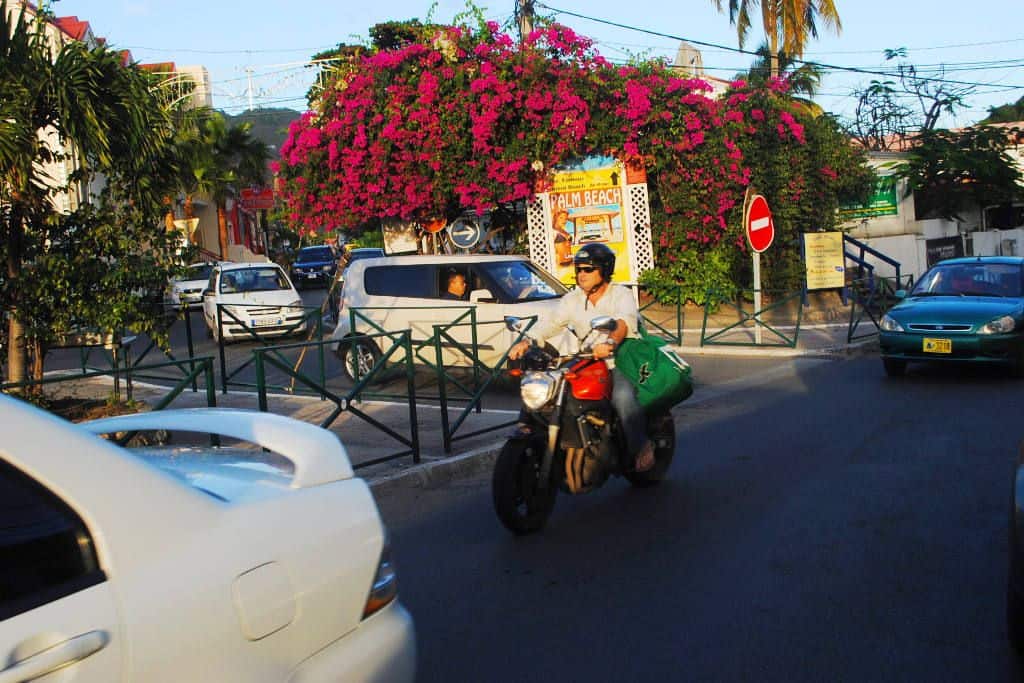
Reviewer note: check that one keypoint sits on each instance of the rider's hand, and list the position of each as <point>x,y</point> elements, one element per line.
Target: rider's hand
<point>518,349</point>
<point>603,351</point>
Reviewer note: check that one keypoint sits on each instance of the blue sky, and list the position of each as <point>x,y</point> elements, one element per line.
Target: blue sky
<point>980,42</point>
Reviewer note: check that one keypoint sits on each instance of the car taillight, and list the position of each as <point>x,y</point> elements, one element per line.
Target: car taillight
<point>385,583</point>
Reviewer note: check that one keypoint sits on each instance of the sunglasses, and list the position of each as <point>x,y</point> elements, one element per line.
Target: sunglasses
<point>585,269</point>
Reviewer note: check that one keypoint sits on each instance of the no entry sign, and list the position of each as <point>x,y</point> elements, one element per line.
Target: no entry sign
<point>760,229</point>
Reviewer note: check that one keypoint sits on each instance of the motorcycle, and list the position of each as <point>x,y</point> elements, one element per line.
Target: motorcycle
<point>573,441</point>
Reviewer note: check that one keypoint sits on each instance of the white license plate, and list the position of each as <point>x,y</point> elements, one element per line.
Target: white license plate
<point>311,276</point>
<point>265,322</point>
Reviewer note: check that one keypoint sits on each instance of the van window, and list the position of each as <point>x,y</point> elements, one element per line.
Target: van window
<point>419,281</point>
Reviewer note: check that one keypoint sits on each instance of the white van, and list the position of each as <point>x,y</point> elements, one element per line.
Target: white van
<point>408,292</point>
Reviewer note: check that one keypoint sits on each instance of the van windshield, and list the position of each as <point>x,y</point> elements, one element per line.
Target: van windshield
<point>521,281</point>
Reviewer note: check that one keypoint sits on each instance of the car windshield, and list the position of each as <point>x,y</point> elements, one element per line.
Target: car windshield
<point>253,280</point>
<point>521,281</point>
<point>356,254</point>
<point>970,279</point>
<point>315,254</point>
<point>197,272</point>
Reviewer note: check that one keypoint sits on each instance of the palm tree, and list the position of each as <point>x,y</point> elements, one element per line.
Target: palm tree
<point>787,23</point>
<point>59,102</point>
<point>232,159</point>
<point>804,78</point>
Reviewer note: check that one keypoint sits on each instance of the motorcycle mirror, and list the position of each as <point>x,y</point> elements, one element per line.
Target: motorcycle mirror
<point>605,323</point>
<point>513,323</point>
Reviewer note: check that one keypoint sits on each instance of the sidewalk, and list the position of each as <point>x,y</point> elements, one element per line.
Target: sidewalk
<point>822,333</point>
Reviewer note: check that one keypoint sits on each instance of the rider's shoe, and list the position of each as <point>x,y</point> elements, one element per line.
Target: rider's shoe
<point>645,458</point>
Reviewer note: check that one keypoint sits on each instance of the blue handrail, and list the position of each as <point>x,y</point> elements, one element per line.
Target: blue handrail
<point>859,259</point>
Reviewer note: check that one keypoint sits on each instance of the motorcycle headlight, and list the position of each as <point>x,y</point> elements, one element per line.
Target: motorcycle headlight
<point>889,324</point>
<point>1000,325</point>
<point>536,390</point>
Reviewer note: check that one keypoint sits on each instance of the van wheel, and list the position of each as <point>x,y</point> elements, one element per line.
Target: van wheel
<point>358,358</point>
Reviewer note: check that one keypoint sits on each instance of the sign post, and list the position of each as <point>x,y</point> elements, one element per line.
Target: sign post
<point>757,221</point>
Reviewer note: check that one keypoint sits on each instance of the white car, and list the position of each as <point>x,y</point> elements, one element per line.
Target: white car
<point>187,289</point>
<point>409,292</point>
<point>196,564</point>
<point>258,298</point>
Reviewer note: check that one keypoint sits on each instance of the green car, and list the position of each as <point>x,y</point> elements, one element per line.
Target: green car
<point>963,309</point>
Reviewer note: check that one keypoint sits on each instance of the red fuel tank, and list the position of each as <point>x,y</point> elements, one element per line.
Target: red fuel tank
<point>592,381</point>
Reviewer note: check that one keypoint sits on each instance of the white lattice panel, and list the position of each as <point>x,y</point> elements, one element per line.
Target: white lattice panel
<point>638,210</point>
<point>537,228</point>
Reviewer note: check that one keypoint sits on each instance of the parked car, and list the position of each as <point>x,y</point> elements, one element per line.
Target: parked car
<point>187,289</point>
<point>191,564</point>
<point>259,296</point>
<point>407,292</point>
<point>967,309</point>
<point>314,266</point>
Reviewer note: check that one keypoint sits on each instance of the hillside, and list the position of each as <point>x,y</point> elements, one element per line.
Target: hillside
<point>268,125</point>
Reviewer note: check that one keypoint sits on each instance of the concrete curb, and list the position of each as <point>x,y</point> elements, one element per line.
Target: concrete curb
<point>438,472</point>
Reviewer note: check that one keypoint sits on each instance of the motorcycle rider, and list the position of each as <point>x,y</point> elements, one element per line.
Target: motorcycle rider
<point>595,295</point>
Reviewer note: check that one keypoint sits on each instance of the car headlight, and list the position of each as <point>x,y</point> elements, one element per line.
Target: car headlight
<point>889,324</point>
<point>1000,325</point>
<point>385,583</point>
<point>326,269</point>
<point>536,390</point>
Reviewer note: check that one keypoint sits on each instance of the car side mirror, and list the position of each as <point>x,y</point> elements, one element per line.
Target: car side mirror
<point>900,294</point>
<point>605,323</point>
<point>515,324</point>
<point>482,296</point>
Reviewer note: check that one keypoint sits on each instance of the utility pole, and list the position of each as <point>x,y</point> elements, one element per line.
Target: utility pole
<point>524,18</point>
<point>248,71</point>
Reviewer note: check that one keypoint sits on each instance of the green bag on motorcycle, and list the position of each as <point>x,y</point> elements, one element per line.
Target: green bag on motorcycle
<point>661,377</point>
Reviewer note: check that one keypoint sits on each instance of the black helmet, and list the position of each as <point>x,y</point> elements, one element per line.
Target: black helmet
<point>597,255</point>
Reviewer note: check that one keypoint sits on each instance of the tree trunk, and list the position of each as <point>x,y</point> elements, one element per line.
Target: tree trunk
<point>16,356</point>
<point>774,58</point>
<point>222,230</point>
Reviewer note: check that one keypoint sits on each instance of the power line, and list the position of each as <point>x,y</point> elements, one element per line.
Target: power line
<point>835,67</point>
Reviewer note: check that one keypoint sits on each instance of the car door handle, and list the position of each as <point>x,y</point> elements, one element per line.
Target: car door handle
<point>53,658</point>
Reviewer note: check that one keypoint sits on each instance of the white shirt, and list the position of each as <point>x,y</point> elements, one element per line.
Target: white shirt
<point>575,311</point>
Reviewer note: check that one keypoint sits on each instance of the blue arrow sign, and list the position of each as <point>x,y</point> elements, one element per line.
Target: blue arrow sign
<point>464,233</point>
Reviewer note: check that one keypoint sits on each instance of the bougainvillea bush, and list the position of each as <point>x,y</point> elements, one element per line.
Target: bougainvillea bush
<point>466,119</point>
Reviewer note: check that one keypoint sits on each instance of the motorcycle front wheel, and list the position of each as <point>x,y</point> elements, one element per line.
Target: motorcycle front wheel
<point>520,503</point>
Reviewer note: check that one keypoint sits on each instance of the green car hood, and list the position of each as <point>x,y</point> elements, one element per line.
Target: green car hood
<point>955,309</point>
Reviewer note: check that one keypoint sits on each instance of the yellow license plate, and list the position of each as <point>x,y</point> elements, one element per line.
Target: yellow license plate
<point>937,345</point>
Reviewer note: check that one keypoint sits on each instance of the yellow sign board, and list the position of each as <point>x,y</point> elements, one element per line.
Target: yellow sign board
<point>823,256</point>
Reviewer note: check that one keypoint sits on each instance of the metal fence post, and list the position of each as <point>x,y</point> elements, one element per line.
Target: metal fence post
<point>220,345</point>
<point>261,379</point>
<point>410,375</point>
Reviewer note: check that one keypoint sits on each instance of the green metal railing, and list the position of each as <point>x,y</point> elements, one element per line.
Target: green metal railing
<point>750,321</point>
<point>271,356</point>
<point>871,297</point>
<point>192,369</point>
<point>653,326</point>
<point>474,394</point>
<point>225,313</point>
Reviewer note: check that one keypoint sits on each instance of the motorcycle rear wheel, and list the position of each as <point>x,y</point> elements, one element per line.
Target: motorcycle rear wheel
<point>522,507</point>
<point>662,429</point>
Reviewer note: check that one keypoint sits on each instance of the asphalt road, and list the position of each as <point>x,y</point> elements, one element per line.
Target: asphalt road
<point>820,523</point>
